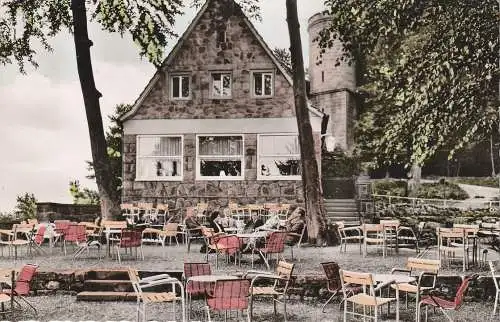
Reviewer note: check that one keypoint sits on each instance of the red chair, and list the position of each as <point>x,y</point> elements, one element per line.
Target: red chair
<point>229,295</point>
<point>194,288</point>
<point>22,286</point>
<point>334,283</point>
<point>37,240</point>
<point>275,244</point>
<point>436,301</point>
<point>77,235</point>
<point>130,238</point>
<point>228,245</point>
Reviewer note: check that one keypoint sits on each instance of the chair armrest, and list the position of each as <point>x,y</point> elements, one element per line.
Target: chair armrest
<point>157,282</point>
<point>155,277</point>
<point>266,276</point>
<point>256,272</point>
<point>401,270</point>
<point>382,285</point>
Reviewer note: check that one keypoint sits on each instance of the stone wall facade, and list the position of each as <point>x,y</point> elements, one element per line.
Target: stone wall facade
<point>198,55</point>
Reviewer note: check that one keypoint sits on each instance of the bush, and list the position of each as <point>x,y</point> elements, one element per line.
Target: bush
<point>390,187</point>
<point>441,190</point>
<point>478,181</point>
<point>338,164</point>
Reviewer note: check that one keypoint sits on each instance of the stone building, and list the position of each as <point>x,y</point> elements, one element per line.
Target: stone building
<point>216,123</point>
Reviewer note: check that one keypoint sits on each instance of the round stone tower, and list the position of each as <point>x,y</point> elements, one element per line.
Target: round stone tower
<point>332,87</point>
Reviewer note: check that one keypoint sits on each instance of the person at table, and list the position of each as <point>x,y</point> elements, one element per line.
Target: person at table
<point>224,219</point>
<point>213,217</point>
<point>295,224</point>
<point>192,224</point>
<point>254,223</point>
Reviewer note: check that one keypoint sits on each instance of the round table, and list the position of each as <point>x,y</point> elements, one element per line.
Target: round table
<point>395,278</point>
<point>211,278</point>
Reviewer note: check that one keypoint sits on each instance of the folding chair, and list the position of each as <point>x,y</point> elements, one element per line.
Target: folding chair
<point>193,288</point>
<point>334,284</point>
<point>22,286</point>
<point>275,244</point>
<point>436,300</point>
<point>229,295</point>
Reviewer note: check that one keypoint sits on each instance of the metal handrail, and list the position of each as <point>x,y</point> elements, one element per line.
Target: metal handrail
<point>445,203</point>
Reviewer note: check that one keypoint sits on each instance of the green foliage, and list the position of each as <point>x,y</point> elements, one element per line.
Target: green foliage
<point>441,190</point>
<point>338,164</point>
<point>478,181</point>
<point>390,187</point>
<point>429,71</point>
<point>114,137</point>
<point>83,196</point>
<point>284,57</point>
<point>26,206</point>
<point>149,22</point>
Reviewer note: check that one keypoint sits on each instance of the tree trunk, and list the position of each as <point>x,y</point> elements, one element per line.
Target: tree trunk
<point>102,166</point>
<point>316,219</point>
<point>493,172</point>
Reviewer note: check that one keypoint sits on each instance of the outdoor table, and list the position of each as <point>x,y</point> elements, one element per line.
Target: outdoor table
<point>386,278</point>
<point>210,278</point>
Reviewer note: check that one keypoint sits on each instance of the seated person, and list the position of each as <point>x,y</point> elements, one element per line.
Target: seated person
<point>295,224</point>
<point>254,223</point>
<point>224,219</point>
<point>192,223</point>
<point>213,222</point>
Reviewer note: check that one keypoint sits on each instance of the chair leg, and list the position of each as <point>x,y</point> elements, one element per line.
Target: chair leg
<point>208,313</point>
<point>328,301</point>
<point>496,304</point>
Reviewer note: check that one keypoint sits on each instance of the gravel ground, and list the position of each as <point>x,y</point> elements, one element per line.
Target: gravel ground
<point>65,307</point>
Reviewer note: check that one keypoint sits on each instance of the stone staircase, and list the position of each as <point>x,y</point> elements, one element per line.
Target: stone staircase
<point>342,210</point>
<point>115,285</point>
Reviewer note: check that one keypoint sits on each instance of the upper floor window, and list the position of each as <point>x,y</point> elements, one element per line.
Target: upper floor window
<point>279,157</point>
<point>159,158</point>
<point>219,157</point>
<point>263,84</point>
<point>221,85</point>
<point>180,87</point>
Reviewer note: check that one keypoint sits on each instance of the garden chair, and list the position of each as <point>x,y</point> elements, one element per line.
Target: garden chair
<point>453,246</point>
<point>281,281</point>
<point>275,244</point>
<point>495,277</point>
<point>425,270</point>
<point>365,298</point>
<point>17,237</point>
<point>37,239</point>
<point>295,239</point>
<point>347,234</point>
<point>130,239</point>
<point>374,235</point>
<point>229,295</point>
<point>144,298</point>
<point>228,245</point>
<point>334,284</point>
<point>22,286</point>
<point>437,300</point>
<point>193,288</point>
<point>78,236</point>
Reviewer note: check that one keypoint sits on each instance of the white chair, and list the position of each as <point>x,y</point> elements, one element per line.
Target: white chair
<point>495,276</point>
<point>348,234</point>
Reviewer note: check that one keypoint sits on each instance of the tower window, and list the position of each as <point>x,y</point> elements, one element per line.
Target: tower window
<point>323,76</point>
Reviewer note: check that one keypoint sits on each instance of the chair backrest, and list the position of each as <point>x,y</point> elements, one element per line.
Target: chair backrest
<point>61,225</point>
<point>421,264</point>
<point>75,233</point>
<point>171,226</point>
<point>332,272</point>
<point>228,244</point>
<point>275,243</point>
<point>114,224</point>
<point>40,234</point>
<point>196,269</point>
<point>130,238</point>
<point>23,282</point>
<point>230,295</point>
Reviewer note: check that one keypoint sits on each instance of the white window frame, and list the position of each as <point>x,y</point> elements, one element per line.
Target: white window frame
<point>260,176</point>
<point>180,76</point>
<point>252,81</point>
<point>220,178</point>
<point>155,178</point>
<point>222,74</point>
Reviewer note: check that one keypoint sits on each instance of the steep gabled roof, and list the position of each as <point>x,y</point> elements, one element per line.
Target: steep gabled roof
<point>152,82</point>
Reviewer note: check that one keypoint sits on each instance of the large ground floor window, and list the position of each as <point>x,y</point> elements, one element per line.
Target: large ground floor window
<point>219,157</point>
<point>159,157</point>
<point>278,157</point>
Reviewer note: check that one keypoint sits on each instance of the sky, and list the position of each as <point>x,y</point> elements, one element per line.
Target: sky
<point>43,129</point>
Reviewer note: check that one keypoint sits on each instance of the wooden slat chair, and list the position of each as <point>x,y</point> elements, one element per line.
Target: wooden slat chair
<point>281,281</point>
<point>425,270</point>
<point>147,212</point>
<point>144,297</point>
<point>229,295</point>
<point>366,298</point>
<point>334,284</point>
<point>444,304</point>
<point>112,228</point>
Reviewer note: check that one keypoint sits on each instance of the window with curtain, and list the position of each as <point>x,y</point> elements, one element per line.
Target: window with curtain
<point>159,158</point>
<point>279,157</point>
<point>221,85</point>
<point>263,84</point>
<point>220,157</point>
<point>180,87</point>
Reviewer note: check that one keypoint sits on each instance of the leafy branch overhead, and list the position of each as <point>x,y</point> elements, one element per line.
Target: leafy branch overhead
<point>24,24</point>
<point>429,69</point>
